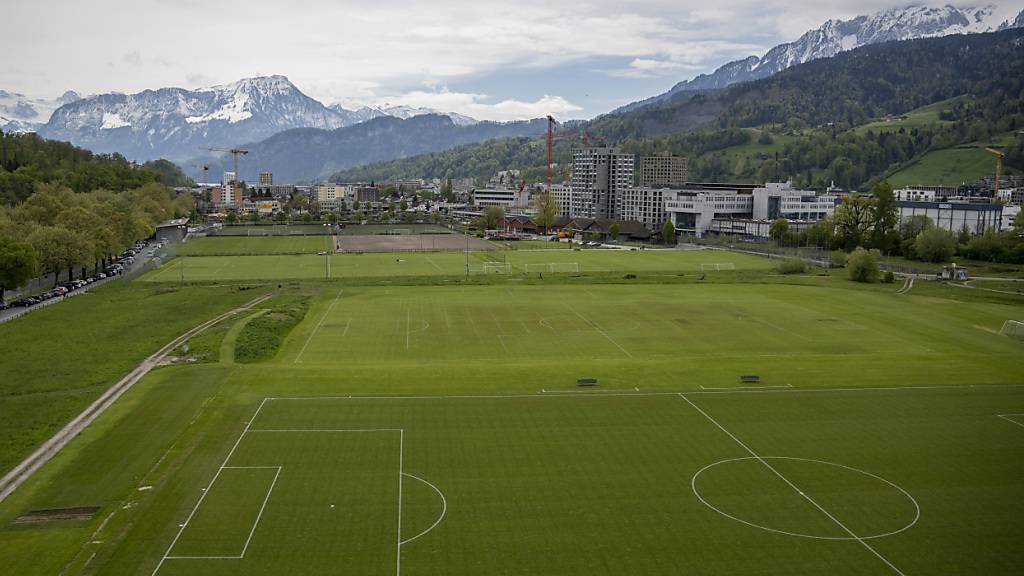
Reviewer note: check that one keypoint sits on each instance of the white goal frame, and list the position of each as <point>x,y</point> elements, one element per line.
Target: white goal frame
<point>255,232</point>
<point>1013,329</point>
<point>400,231</point>
<point>497,268</point>
<point>717,266</point>
<point>553,267</point>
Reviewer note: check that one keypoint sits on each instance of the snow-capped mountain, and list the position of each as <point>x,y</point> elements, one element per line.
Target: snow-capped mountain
<point>835,36</point>
<point>405,112</point>
<point>21,113</point>
<point>174,122</point>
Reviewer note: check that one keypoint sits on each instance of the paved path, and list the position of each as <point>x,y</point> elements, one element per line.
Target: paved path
<point>24,470</point>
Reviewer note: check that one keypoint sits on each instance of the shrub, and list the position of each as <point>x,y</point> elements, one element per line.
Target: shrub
<point>888,277</point>
<point>792,266</point>
<point>838,259</point>
<point>862,266</point>
<point>935,245</point>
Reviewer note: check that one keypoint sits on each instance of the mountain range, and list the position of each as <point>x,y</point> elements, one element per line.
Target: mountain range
<point>836,36</point>
<point>306,154</point>
<point>21,113</point>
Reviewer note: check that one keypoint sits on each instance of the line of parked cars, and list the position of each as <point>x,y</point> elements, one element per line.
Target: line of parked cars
<point>127,258</point>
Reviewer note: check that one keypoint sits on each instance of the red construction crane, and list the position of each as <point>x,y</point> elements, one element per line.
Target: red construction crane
<point>234,153</point>
<point>551,138</point>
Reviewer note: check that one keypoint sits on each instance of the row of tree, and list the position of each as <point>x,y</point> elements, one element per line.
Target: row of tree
<point>63,230</point>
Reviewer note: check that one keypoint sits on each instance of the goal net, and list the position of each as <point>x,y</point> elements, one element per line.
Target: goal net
<point>400,231</point>
<point>717,266</point>
<point>497,268</point>
<point>1013,329</point>
<point>257,232</point>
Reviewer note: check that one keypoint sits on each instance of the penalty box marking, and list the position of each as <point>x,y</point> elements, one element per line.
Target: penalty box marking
<point>1013,418</point>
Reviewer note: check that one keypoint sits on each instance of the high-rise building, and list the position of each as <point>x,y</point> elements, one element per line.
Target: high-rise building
<point>599,175</point>
<point>266,178</point>
<point>663,170</point>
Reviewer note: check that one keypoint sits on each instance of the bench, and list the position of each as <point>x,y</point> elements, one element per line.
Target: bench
<point>750,379</point>
<point>587,382</point>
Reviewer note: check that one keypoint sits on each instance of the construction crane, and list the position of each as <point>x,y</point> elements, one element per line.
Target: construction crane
<point>551,139</point>
<point>234,153</point>
<point>999,164</point>
<point>203,167</point>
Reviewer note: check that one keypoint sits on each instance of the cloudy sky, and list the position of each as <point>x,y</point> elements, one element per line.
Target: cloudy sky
<point>491,60</point>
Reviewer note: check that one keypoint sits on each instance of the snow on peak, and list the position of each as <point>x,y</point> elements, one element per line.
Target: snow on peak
<point>113,121</point>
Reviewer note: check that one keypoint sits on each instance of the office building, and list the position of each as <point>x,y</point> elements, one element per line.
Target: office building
<point>954,216</point>
<point>266,178</point>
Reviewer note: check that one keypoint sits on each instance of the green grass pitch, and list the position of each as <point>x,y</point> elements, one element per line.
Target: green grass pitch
<point>254,245</point>
<point>444,264</point>
<point>438,429</point>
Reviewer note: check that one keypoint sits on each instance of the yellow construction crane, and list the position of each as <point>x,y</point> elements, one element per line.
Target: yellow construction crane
<point>999,164</point>
<point>234,152</point>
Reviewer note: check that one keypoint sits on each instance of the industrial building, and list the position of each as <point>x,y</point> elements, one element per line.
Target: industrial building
<point>645,205</point>
<point>954,216</point>
<point>503,197</point>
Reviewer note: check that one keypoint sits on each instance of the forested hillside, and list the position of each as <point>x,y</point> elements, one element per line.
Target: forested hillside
<point>799,124</point>
<point>26,161</point>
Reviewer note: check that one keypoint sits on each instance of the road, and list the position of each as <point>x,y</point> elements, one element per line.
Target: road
<point>37,285</point>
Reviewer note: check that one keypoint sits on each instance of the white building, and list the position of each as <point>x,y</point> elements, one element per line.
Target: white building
<point>694,210</point>
<point>599,175</point>
<point>953,216</point>
<point>1010,215</point>
<point>335,192</point>
<point>645,205</point>
<point>503,197</point>
<point>562,193</point>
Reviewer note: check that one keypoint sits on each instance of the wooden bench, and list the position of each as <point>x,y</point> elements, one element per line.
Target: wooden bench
<point>750,379</point>
<point>587,382</point>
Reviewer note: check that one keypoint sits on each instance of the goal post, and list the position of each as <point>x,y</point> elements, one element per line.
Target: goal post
<point>717,266</point>
<point>1013,329</point>
<point>400,231</point>
<point>497,268</point>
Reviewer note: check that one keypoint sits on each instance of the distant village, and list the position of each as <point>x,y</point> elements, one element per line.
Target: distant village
<point>602,187</point>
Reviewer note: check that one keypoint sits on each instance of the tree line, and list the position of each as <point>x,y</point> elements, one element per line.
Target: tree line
<point>57,230</point>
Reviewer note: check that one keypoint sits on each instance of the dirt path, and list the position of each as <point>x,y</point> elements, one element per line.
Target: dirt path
<point>24,470</point>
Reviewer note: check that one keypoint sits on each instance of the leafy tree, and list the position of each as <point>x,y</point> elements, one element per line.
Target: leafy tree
<point>613,230</point>
<point>491,217</point>
<point>59,248</point>
<point>935,245</point>
<point>403,205</point>
<point>547,211</point>
<point>280,216</point>
<point>964,236</point>
<point>765,139</point>
<point>18,265</point>
<point>232,217</point>
<point>779,230</point>
<point>853,221</point>
<point>343,206</point>
<point>911,227</point>
<point>668,233</point>
<point>307,217</point>
<point>886,217</point>
<point>862,265</point>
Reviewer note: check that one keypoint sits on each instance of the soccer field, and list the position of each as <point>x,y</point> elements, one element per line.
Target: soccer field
<point>518,262</point>
<point>439,429</point>
<point>784,482</point>
<point>254,245</point>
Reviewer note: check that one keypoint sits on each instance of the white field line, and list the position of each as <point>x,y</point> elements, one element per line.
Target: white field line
<point>794,390</point>
<point>408,316</point>
<point>260,514</point>
<point>444,509</point>
<point>1008,418</point>
<point>208,486</point>
<point>434,264</point>
<point>600,330</point>
<point>777,327</point>
<point>401,458</point>
<point>746,387</point>
<point>793,486</point>
<point>317,327</point>
<point>322,429</point>
<point>347,324</point>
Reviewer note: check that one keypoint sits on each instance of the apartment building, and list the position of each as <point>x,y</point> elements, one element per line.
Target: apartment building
<point>599,176</point>
<point>663,170</point>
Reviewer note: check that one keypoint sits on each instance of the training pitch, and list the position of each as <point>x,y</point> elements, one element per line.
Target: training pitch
<point>439,429</point>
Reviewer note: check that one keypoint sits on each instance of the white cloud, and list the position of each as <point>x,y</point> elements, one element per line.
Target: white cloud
<point>338,49</point>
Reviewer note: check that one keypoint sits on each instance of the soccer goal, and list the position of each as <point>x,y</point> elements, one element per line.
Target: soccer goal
<point>717,267</point>
<point>257,232</point>
<point>497,268</point>
<point>1013,329</point>
<point>400,231</point>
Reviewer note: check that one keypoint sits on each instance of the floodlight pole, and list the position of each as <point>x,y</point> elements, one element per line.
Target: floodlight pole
<point>467,254</point>
<point>327,257</point>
